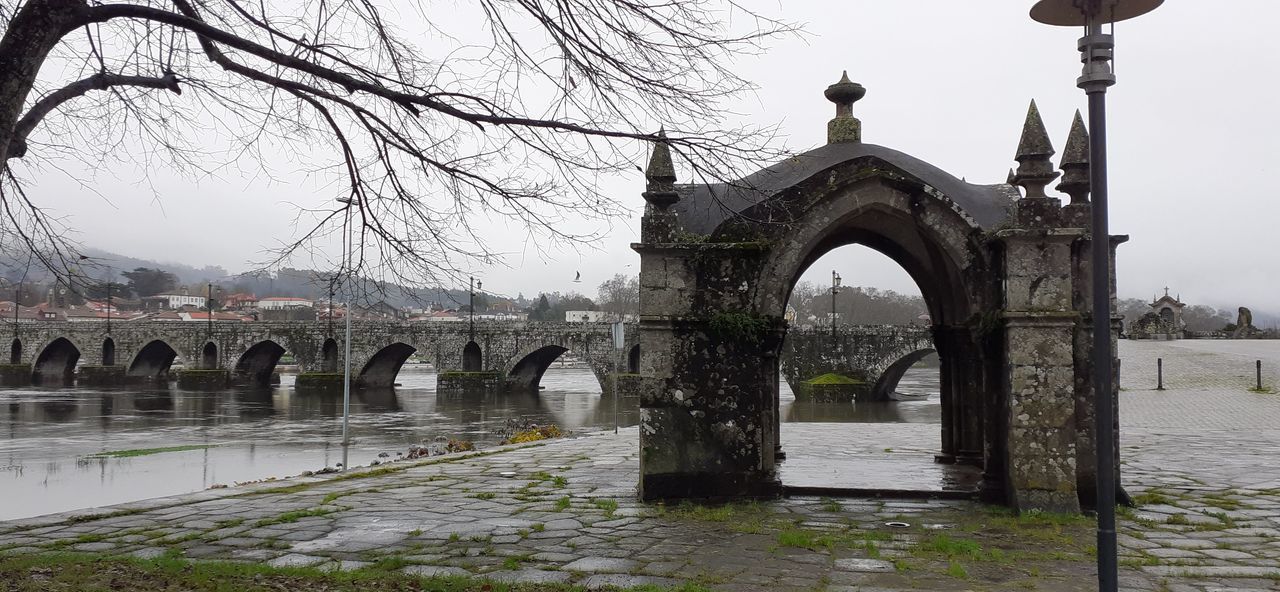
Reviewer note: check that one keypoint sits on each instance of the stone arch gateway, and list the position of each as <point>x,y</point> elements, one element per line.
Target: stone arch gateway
<point>1000,273</point>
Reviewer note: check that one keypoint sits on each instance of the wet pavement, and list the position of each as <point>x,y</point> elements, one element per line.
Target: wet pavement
<point>870,457</point>
<point>1200,459</point>
<point>566,512</point>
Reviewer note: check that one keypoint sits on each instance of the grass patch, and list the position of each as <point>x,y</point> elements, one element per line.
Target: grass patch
<point>148,451</point>
<point>81,571</point>
<point>485,495</point>
<point>958,571</point>
<point>562,504</point>
<point>293,516</point>
<point>805,539</point>
<point>830,505</point>
<point>950,547</point>
<point>1177,519</point>
<point>1151,498</point>
<point>609,506</point>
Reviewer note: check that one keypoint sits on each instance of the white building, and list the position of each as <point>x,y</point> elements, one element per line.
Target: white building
<point>176,301</point>
<point>587,316</point>
<point>282,303</point>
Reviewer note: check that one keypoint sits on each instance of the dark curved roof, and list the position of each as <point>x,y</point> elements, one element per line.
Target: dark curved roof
<point>702,208</point>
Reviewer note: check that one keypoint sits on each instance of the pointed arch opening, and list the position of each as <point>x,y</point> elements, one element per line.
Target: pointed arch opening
<point>329,356</point>
<point>108,352</point>
<point>381,369</point>
<point>886,387</point>
<point>258,363</point>
<point>56,362</point>
<point>209,356</point>
<point>633,359</point>
<point>928,243</point>
<point>472,357</point>
<point>153,360</point>
<point>526,375</point>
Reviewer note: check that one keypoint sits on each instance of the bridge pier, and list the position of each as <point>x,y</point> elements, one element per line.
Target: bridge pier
<point>15,374</point>
<point>101,375</point>
<point>204,378</point>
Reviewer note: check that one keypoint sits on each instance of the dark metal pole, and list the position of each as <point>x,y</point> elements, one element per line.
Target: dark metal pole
<point>1096,89</point>
<point>108,303</point>
<point>1259,367</point>
<point>471,305</point>
<point>208,304</point>
<point>1159,374</point>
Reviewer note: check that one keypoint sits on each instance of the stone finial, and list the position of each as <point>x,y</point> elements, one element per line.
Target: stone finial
<point>844,127</point>
<point>1035,169</point>
<point>1075,163</point>
<point>660,176</point>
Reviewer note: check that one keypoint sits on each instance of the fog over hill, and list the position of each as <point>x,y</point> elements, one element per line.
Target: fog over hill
<point>865,305</point>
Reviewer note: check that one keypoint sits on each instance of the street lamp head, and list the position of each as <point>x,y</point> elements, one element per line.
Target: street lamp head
<point>1076,13</point>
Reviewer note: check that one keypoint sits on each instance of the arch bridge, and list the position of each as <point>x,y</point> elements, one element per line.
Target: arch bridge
<point>518,354</point>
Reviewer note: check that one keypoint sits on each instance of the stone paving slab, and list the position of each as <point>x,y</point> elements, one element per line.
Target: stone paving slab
<point>1200,458</point>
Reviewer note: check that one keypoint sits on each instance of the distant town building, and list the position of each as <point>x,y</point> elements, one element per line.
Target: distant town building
<point>171,302</point>
<point>282,302</point>
<point>239,301</point>
<point>594,316</point>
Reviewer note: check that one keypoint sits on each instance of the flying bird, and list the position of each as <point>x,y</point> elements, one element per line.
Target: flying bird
<point>577,278</point>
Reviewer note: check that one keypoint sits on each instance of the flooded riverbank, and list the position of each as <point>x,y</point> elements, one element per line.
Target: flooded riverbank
<point>52,440</point>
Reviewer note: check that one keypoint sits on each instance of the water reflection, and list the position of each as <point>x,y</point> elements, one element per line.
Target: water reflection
<point>47,435</point>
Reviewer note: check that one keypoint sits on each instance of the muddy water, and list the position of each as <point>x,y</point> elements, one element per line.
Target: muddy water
<point>48,436</point>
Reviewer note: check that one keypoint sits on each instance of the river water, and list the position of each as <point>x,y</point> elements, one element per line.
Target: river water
<point>48,436</point>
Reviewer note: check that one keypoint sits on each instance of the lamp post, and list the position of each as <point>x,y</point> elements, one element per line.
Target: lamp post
<point>1095,53</point>
<point>109,274</point>
<point>346,356</point>
<point>208,305</point>
<point>835,289</point>
<point>471,306</point>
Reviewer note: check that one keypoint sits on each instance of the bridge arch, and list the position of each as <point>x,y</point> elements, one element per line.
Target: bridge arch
<point>108,352</point>
<point>633,359</point>
<point>472,357</point>
<point>57,361</point>
<point>153,360</point>
<point>527,373</point>
<point>209,356</point>
<point>383,366</point>
<point>15,351</point>
<point>889,379</point>
<point>259,361</point>
<point>329,356</point>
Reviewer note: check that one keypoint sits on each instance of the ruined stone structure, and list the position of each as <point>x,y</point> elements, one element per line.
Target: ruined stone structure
<point>1004,274</point>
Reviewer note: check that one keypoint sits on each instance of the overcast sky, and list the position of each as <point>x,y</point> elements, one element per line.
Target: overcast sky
<point>1193,133</point>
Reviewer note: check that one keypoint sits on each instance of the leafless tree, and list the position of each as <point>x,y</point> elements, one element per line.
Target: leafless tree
<point>491,109</point>
<point>620,294</point>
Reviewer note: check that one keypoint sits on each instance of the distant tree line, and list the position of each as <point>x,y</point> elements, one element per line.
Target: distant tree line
<point>854,305</point>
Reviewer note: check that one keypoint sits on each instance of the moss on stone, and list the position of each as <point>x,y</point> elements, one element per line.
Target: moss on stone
<point>833,378</point>
<point>203,378</point>
<point>319,380</point>
<point>15,374</point>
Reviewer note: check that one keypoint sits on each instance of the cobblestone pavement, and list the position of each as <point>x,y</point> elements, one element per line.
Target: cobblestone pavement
<point>1200,458</point>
